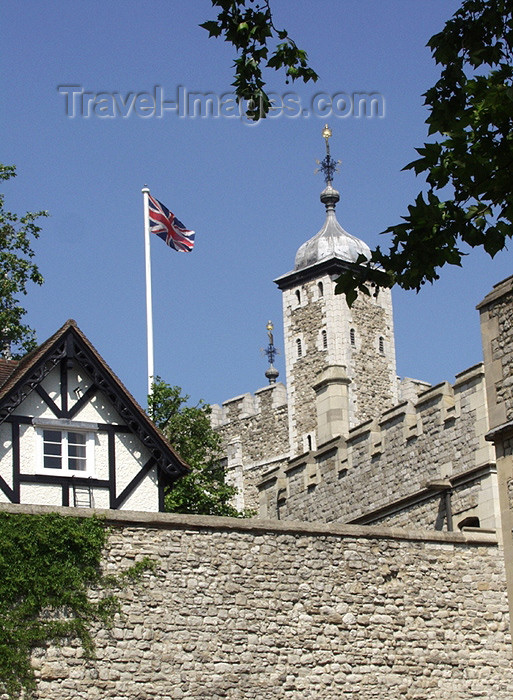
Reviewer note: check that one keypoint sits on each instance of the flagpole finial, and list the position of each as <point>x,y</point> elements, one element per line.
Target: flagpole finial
<point>145,189</point>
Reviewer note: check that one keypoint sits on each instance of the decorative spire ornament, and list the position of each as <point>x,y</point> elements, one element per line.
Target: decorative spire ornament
<point>271,352</point>
<point>328,166</point>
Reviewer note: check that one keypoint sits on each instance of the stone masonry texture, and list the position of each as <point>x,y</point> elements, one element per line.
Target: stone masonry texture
<point>383,461</point>
<point>261,609</point>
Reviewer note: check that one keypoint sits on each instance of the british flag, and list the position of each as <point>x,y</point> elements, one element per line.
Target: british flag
<point>165,224</point>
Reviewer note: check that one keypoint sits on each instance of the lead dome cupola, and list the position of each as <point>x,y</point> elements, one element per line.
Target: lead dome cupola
<point>332,241</point>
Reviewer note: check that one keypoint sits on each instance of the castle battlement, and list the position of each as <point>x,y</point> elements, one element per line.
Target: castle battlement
<point>246,405</point>
<point>347,441</point>
<point>405,453</point>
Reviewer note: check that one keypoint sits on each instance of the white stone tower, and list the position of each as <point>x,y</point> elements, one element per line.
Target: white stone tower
<point>340,361</point>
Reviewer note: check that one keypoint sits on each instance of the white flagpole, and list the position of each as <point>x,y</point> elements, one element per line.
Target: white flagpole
<point>149,313</point>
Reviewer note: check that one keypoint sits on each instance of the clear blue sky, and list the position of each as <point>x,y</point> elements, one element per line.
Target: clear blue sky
<point>249,191</point>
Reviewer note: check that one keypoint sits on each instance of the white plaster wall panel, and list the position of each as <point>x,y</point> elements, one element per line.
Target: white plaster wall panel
<point>78,383</point>
<point>130,457</point>
<point>30,452</point>
<point>5,456</point>
<point>33,405</point>
<point>41,494</point>
<point>100,498</point>
<point>99,410</point>
<point>101,455</point>
<point>146,497</point>
<point>51,384</point>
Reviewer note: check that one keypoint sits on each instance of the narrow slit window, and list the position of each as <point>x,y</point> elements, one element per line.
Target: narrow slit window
<point>299,347</point>
<point>298,296</point>
<point>352,337</point>
<point>324,340</point>
<point>381,345</point>
<point>320,289</point>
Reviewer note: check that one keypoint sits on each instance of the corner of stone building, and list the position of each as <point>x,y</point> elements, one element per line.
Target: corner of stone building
<point>496,317</point>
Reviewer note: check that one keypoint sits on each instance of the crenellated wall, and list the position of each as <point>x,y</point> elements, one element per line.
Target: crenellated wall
<point>404,461</point>
<point>254,429</point>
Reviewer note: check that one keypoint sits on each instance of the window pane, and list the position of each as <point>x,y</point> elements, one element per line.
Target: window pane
<point>52,449</point>
<point>76,451</point>
<point>65,450</point>
<point>76,464</point>
<point>52,435</point>
<point>52,462</point>
<point>77,438</point>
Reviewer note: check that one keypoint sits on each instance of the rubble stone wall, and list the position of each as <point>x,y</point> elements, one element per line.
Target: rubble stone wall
<point>260,609</point>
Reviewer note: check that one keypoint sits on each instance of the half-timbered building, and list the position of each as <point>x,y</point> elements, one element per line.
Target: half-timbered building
<point>71,433</point>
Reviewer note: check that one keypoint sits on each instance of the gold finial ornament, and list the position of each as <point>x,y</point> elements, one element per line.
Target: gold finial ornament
<point>326,133</point>
<point>328,166</point>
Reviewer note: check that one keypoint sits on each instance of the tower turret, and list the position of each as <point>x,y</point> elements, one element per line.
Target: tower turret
<point>337,357</point>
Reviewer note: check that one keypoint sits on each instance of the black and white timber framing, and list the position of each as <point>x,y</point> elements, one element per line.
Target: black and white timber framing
<point>68,349</point>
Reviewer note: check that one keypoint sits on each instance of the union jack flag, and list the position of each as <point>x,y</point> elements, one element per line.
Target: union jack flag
<point>165,224</point>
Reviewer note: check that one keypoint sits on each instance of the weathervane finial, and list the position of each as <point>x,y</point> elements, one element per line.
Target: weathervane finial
<point>271,352</point>
<point>328,166</point>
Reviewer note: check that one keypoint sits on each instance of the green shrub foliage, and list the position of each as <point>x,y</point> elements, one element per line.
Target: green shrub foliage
<point>48,565</point>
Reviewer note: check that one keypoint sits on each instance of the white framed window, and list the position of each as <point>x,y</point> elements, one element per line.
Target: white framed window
<point>66,452</point>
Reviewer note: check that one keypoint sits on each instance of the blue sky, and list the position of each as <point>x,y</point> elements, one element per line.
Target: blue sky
<point>249,191</point>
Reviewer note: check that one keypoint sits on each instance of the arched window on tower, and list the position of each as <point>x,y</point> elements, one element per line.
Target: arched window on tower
<point>309,442</point>
<point>320,289</point>
<point>299,347</point>
<point>298,296</point>
<point>352,337</point>
<point>381,345</point>
<point>324,336</point>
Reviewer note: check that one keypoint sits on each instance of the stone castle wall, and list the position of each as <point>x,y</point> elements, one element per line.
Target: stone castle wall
<point>497,336</point>
<point>254,430</point>
<point>256,610</point>
<point>329,334</point>
<point>497,333</point>
<point>302,323</point>
<point>373,382</point>
<point>396,463</point>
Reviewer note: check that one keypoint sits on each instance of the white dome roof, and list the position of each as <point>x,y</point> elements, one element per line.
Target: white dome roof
<point>331,241</point>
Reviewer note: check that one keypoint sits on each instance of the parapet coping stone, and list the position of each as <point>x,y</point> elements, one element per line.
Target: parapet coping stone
<point>240,397</point>
<point>466,375</point>
<point>442,389</point>
<point>499,290</point>
<point>171,521</point>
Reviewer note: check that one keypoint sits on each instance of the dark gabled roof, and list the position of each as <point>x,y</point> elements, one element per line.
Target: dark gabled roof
<point>21,378</point>
<point>7,367</point>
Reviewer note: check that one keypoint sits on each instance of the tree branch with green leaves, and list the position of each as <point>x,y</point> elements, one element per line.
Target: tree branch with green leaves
<point>17,270</point>
<point>469,196</point>
<point>204,490</point>
<point>250,28</point>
